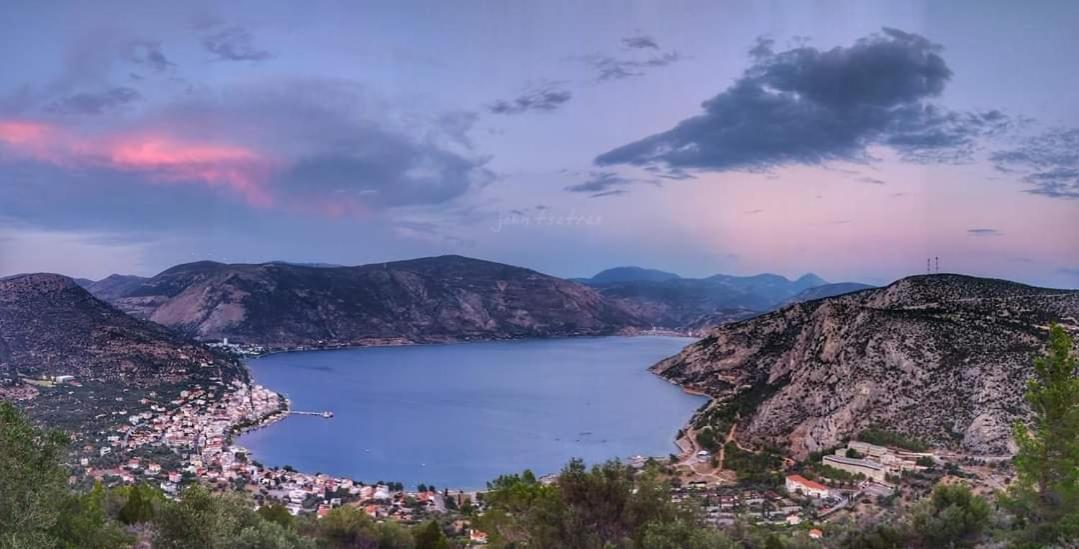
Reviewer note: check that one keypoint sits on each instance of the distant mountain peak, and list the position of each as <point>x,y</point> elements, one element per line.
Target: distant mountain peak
<point>633,274</point>
<point>811,278</point>
<point>194,266</point>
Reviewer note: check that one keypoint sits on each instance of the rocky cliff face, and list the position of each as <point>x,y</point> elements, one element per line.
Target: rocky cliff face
<point>50,326</point>
<point>433,299</point>
<point>941,357</point>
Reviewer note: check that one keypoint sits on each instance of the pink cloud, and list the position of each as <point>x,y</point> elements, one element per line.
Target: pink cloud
<point>157,155</point>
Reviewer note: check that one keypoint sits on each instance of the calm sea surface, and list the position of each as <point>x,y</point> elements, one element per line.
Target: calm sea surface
<point>459,415</point>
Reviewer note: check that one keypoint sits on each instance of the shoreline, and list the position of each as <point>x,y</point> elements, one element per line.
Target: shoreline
<point>393,342</point>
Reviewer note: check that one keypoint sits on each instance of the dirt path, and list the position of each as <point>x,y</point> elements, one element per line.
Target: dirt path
<point>723,449</point>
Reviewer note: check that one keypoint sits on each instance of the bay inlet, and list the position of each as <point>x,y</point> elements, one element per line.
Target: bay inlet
<point>456,416</point>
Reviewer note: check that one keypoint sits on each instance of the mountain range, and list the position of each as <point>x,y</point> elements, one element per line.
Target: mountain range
<point>670,301</point>
<point>940,357</point>
<point>944,358</point>
<point>445,298</point>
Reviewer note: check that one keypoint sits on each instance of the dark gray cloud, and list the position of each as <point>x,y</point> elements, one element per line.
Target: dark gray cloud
<point>616,68</point>
<point>871,180</point>
<point>1049,162</point>
<point>675,174</point>
<point>762,48</point>
<point>384,170</point>
<point>984,232</point>
<point>336,145</point>
<point>600,182</point>
<point>457,126</point>
<point>234,44</point>
<point>615,192</point>
<point>545,99</point>
<point>1070,271</point>
<point>313,149</point>
<point>148,53</point>
<point>640,41</point>
<point>810,106</point>
<point>94,103</point>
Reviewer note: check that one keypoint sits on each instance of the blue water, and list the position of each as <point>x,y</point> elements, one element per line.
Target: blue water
<point>459,415</point>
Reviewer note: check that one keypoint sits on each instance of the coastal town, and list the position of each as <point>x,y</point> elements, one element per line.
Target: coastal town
<point>189,439</point>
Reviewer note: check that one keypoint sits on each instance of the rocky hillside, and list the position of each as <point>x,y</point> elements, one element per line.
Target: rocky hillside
<point>433,299</point>
<point>940,357</point>
<point>51,326</point>
<point>828,290</point>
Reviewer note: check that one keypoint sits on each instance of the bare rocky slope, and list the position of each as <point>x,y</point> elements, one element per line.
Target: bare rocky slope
<point>443,298</point>
<point>940,357</point>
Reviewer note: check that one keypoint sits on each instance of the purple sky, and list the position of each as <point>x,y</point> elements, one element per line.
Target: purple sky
<point>850,139</point>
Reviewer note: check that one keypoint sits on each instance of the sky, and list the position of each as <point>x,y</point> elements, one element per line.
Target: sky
<point>849,139</point>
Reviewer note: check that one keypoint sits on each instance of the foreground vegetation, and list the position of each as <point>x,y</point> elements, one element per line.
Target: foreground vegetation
<point>609,505</point>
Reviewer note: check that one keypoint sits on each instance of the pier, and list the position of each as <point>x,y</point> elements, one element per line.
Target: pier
<point>327,414</point>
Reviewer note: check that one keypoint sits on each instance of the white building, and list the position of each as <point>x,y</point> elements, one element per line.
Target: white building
<point>871,469</point>
<point>797,484</point>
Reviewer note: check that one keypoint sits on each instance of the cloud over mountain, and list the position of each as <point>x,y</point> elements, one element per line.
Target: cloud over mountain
<point>809,106</point>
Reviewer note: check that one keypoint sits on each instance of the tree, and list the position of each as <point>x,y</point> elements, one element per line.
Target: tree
<point>430,536</point>
<point>392,535</point>
<point>952,517</point>
<point>1045,495</point>
<point>36,509</point>
<point>347,527</point>
<point>683,534</point>
<point>202,520</point>
<point>139,506</point>
<point>85,524</point>
<point>609,505</point>
<point>32,482</point>
<point>269,535</point>
<point>275,512</point>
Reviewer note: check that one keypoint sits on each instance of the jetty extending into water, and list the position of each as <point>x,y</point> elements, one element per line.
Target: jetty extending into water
<point>327,414</point>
